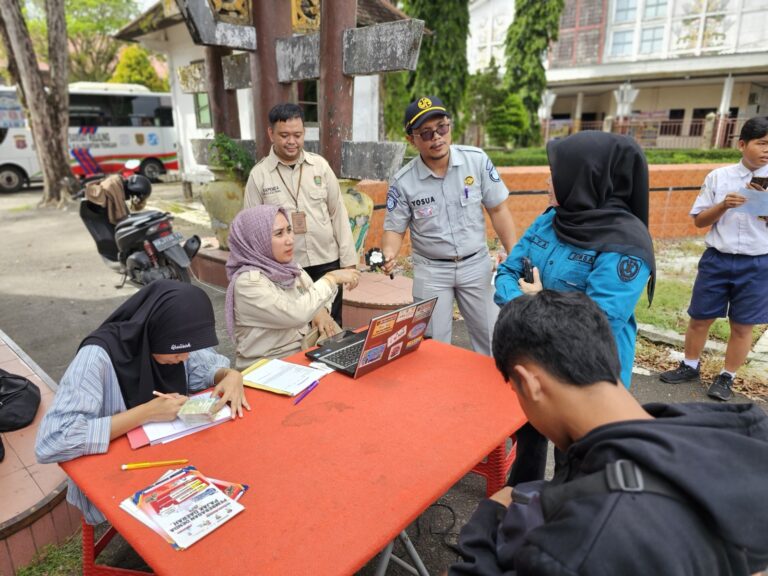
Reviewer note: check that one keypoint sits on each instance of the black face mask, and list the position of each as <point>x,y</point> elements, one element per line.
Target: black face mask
<point>166,317</point>
<point>601,186</point>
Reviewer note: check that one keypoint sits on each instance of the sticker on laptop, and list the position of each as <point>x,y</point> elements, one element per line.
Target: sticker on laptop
<point>396,336</point>
<point>417,330</point>
<point>423,310</point>
<point>411,343</point>
<point>372,355</point>
<point>406,314</point>
<point>384,325</point>
<point>394,352</point>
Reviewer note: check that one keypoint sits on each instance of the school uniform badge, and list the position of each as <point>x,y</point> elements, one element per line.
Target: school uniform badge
<point>318,180</point>
<point>628,268</point>
<point>469,180</point>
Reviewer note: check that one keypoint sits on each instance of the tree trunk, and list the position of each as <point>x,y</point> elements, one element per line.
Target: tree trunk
<point>48,114</point>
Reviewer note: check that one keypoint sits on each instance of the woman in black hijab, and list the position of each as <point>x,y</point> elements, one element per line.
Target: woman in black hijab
<point>159,340</point>
<point>593,239</point>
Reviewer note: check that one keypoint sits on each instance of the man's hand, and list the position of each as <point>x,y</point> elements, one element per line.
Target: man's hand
<point>324,323</point>
<point>503,496</point>
<point>531,288</point>
<point>733,200</point>
<point>229,388</point>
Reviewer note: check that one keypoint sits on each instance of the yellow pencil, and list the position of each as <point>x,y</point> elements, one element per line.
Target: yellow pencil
<point>139,465</point>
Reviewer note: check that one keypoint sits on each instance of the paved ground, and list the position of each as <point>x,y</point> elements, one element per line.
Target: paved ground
<point>54,290</point>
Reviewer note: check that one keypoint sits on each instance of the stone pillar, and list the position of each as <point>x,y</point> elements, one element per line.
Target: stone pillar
<point>273,21</point>
<point>577,113</point>
<point>723,112</point>
<point>335,89</point>
<point>224,114</point>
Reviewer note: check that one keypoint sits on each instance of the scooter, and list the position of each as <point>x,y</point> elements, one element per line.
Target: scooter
<point>141,246</point>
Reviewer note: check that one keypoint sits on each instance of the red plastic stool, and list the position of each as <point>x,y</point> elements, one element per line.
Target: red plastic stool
<point>495,467</point>
<point>92,549</point>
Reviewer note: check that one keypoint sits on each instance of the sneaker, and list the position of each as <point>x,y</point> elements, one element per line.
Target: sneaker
<point>721,388</point>
<point>682,373</point>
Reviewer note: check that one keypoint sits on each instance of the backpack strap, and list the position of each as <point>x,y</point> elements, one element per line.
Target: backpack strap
<point>618,476</point>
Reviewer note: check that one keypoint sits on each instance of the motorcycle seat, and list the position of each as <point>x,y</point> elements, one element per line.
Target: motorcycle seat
<point>97,223</point>
<point>141,219</point>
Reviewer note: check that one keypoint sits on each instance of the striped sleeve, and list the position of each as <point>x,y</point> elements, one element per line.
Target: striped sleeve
<point>202,366</point>
<point>79,421</point>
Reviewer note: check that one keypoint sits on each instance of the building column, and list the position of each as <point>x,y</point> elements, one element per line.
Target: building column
<point>723,112</point>
<point>576,123</point>
<point>224,114</point>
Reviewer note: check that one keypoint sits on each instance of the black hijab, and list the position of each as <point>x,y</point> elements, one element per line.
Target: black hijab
<point>601,185</point>
<point>166,317</point>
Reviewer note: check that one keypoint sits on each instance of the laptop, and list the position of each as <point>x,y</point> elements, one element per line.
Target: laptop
<point>388,337</point>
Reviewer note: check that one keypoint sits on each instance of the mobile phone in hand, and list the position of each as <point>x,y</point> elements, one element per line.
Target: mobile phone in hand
<point>761,181</point>
<point>527,270</point>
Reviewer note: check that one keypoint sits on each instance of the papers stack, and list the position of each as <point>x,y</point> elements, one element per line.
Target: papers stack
<point>164,432</point>
<point>183,505</point>
<point>280,377</point>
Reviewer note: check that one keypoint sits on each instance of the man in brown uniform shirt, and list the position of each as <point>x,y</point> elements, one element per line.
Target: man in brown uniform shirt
<point>304,184</point>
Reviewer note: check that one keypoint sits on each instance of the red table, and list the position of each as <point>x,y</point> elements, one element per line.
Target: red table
<point>332,480</point>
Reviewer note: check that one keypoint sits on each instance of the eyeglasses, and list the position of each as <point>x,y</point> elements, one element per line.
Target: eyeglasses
<point>428,134</point>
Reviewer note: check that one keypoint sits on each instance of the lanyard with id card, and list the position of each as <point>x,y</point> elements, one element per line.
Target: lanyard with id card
<point>298,218</point>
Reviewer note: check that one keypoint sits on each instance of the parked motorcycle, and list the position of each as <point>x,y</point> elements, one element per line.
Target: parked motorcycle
<point>141,246</point>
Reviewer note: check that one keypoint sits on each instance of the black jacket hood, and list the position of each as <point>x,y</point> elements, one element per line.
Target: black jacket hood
<point>716,454</point>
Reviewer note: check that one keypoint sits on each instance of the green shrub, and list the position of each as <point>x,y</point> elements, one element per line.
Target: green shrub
<point>538,156</point>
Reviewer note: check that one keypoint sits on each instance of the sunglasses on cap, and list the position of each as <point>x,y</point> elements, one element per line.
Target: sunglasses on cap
<point>428,134</point>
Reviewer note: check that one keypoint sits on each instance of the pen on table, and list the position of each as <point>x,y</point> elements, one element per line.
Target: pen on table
<point>304,394</point>
<point>139,465</point>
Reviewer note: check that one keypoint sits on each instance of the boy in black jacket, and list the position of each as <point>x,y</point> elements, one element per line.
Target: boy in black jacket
<point>655,489</point>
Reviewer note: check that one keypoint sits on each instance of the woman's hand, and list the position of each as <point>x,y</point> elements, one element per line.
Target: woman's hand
<point>349,277</point>
<point>229,388</point>
<point>503,496</point>
<point>533,287</point>
<point>165,408</point>
<point>324,324</point>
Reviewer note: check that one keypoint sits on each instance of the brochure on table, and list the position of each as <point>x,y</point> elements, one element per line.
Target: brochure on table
<point>183,506</point>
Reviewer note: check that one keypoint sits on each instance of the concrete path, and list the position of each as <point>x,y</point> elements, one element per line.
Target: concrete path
<point>54,290</point>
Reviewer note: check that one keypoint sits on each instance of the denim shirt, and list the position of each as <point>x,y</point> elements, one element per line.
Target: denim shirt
<point>614,281</point>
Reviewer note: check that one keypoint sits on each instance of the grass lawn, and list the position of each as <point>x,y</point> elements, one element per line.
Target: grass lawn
<point>64,560</point>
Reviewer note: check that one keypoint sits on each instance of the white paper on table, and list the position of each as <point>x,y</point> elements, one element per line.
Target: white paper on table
<point>162,432</point>
<point>282,377</point>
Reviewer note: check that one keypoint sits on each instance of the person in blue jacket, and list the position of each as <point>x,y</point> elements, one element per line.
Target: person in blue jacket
<point>594,239</point>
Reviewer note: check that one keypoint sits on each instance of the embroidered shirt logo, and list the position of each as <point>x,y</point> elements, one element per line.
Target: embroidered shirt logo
<point>628,268</point>
<point>423,201</point>
<point>579,257</point>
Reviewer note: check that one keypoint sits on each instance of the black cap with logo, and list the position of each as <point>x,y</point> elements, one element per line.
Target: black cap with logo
<point>421,110</point>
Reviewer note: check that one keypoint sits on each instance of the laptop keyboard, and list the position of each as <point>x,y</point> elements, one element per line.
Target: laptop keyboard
<point>346,356</point>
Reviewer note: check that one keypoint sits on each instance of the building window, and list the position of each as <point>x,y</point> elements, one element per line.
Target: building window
<point>651,40</point>
<point>625,10</point>
<point>655,9</point>
<point>621,44</point>
<point>202,110</point>
<point>307,99</point>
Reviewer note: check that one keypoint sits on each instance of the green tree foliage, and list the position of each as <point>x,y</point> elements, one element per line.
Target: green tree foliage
<point>135,67</point>
<point>396,99</point>
<point>484,93</point>
<point>535,26</point>
<point>90,25</point>
<point>442,67</point>
<point>508,123</point>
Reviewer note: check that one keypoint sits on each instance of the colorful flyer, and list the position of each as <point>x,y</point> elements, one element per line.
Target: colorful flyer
<point>187,506</point>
